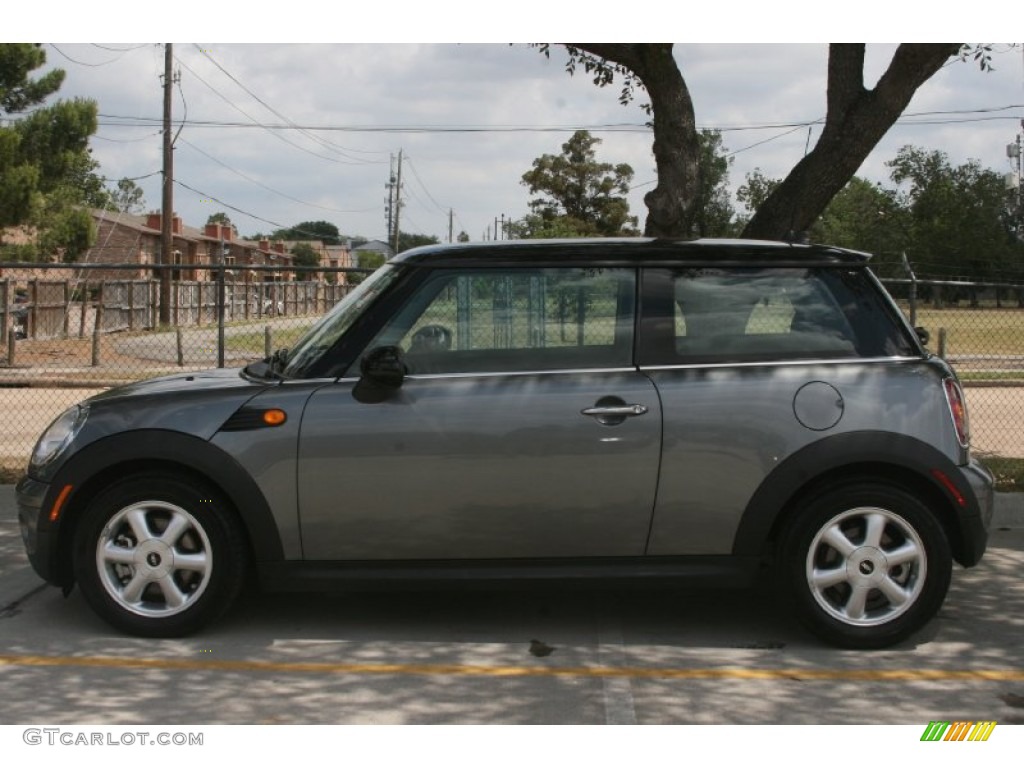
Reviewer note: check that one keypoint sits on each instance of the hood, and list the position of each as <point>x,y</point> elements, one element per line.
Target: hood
<point>195,403</point>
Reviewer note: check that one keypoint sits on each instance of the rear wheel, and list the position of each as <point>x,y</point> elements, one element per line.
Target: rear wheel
<point>866,564</point>
<point>159,555</point>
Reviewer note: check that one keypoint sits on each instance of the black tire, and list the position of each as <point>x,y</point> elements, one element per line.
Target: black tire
<point>159,555</point>
<point>866,564</point>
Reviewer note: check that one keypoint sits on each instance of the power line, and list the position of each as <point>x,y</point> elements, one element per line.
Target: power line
<point>142,122</point>
<point>254,123</point>
<point>83,63</point>
<point>326,144</point>
<point>268,188</point>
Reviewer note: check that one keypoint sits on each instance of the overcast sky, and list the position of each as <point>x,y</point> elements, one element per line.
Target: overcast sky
<point>469,119</point>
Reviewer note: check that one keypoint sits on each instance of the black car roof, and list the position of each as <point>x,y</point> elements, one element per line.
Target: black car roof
<point>637,251</point>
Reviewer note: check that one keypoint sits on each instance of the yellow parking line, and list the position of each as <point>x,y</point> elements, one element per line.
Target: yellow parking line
<point>481,670</point>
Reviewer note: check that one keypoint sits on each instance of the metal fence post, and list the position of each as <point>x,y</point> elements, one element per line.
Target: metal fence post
<point>912,294</point>
<point>220,311</point>
<point>97,327</point>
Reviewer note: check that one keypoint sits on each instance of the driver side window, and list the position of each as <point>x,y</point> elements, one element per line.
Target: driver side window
<point>515,320</point>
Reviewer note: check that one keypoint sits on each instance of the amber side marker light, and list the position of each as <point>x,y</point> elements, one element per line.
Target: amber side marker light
<point>274,417</point>
<point>59,503</point>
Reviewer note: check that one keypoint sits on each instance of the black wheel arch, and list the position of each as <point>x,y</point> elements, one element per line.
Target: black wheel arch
<point>896,459</point>
<point>107,460</point>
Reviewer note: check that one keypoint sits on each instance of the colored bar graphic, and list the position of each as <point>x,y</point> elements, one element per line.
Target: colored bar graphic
<point>961,730</point>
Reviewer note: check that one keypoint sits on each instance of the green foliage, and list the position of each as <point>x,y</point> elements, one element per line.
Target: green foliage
<point>371,259</point>
<point>128,197</point>
<point>55,138</point>
<point>715,212</point>
<point>305,255</point>
<point>756,190</point>
<point>221,218</point>
<point>580,195</point>
<point>365,260</point>
<point>70,232</point>
<point>46,172</point>
<point>950,221</point>
<point>602,71</point>
<point>862,216</point>
<point>19,252</point>
<point>407,240</point>
<point>959,220</point>
<point>17,91</point>
<point>323,231</point>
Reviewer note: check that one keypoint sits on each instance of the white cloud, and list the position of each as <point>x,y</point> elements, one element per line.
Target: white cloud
<point>471,86</point>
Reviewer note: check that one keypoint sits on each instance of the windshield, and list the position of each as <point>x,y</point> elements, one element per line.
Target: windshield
<point>322,336</point>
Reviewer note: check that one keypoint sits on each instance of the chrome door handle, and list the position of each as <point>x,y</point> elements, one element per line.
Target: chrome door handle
<point>615,410</point>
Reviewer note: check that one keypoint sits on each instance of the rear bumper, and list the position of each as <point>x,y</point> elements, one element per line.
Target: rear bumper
<point>975,527</point>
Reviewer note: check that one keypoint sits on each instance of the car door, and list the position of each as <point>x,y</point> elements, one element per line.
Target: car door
<point>522,429</point>
<point>752,364</point>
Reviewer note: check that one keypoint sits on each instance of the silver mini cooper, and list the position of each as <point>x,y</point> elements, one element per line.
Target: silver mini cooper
<point>546,410</point>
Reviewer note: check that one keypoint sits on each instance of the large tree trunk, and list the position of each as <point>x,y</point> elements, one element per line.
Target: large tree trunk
<point>671,204</point>
<point>857,120</point>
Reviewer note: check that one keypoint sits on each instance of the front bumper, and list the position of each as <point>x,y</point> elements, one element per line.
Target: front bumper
<point>36,531</point>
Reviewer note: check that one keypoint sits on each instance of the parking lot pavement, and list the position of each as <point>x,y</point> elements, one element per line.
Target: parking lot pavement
<point>531,655</point>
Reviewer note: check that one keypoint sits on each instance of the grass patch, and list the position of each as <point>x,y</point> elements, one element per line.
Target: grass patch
<point>989,375</point>
<point>253,342</point>
<point>1009,473</point>
<point>975,331</point>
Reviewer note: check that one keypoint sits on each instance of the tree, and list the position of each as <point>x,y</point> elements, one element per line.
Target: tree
<point>305,255</point>
<point>715,213</point>
<point>580,195</point>
<point>407,240</point>
<point>323,231</point>
<point>862,216</point>
<point>221,218</point>
<point>129,198</point>
<point>856,120</point>
<point>959,218</point>
<point>45,166</point>
<point>755,191</point>
<point>365,260</point>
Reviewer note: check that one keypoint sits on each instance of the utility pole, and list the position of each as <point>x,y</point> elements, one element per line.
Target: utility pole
<point>451,220</point>
<point>167,205</point>
<point>396,214</point>
<point>390,206</point>
<point>1015,152</point>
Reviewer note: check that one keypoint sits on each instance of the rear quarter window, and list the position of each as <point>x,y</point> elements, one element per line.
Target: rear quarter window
<point>749,314</point>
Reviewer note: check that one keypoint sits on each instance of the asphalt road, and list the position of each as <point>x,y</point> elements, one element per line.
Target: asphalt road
<point>524,656</point>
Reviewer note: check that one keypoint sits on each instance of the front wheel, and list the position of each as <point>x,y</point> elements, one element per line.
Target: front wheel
<point>159,555</point>
<point>866,565</point>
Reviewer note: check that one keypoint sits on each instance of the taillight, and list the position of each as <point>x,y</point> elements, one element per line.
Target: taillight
<point>958,410</point>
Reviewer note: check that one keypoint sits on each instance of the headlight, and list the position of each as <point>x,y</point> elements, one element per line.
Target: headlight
<point>58,435</point>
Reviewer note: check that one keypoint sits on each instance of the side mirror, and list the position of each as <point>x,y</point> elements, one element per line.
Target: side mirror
<point>923,335</point>
<point>383,371</point>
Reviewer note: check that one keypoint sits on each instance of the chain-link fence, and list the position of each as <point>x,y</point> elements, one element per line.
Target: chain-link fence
<point>68,333</point>
<point>66,337</point>
<point>979,328</point>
